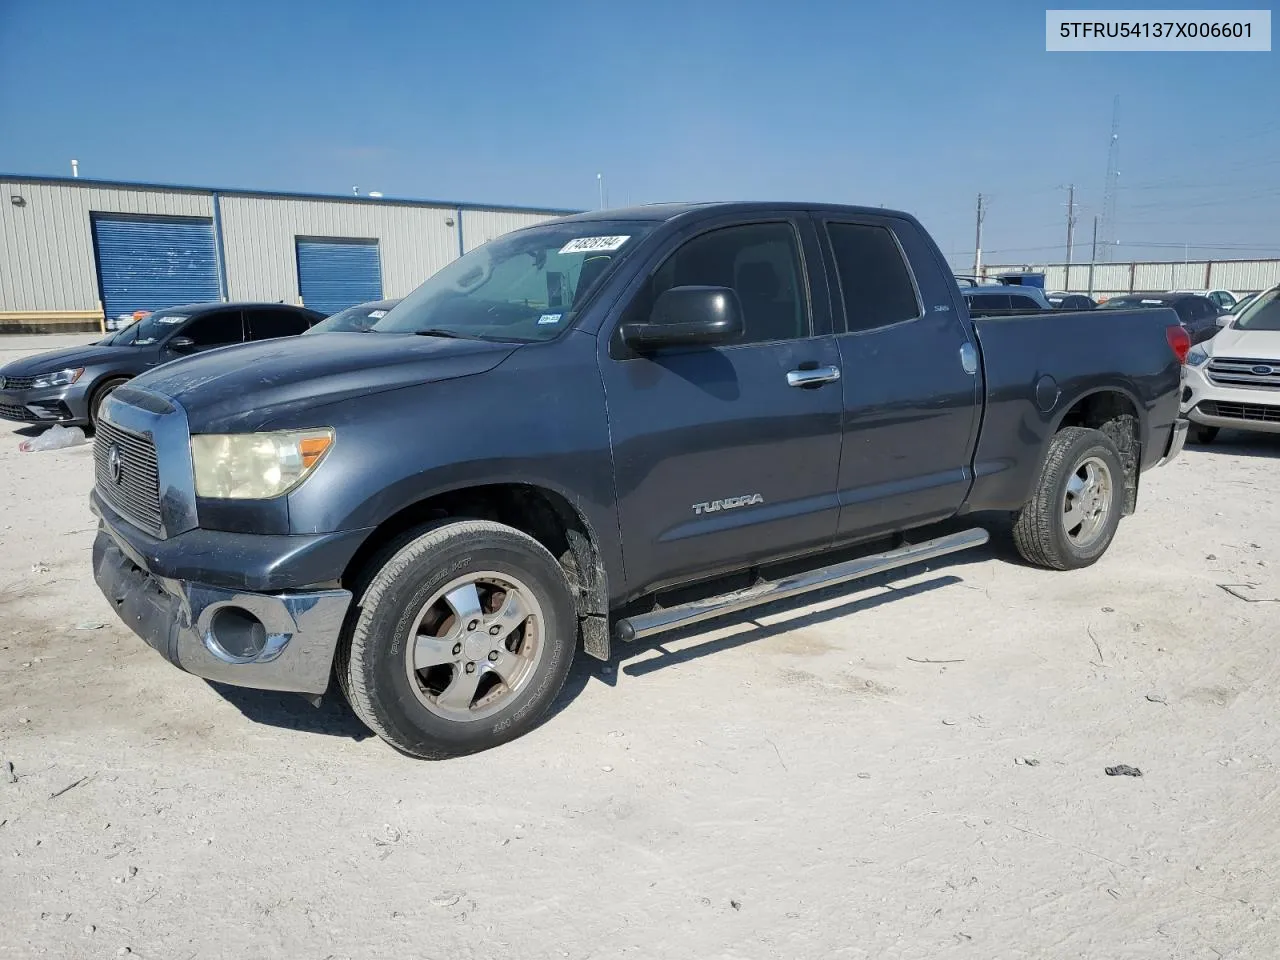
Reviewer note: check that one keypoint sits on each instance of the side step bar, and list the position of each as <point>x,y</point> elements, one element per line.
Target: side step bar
<point>672,618</point>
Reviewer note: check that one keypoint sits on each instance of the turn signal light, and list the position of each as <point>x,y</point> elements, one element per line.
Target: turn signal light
<point>1179,342</point>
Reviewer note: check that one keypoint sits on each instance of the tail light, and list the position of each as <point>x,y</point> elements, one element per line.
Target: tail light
<point>1179,342</point>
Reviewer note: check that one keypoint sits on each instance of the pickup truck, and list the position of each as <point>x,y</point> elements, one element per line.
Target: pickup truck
<point>597,429</point>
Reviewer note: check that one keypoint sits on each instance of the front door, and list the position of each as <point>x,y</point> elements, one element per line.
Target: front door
<point>721,460</point>
<point>911,379</point>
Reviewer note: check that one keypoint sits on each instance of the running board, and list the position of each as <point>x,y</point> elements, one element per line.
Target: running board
<point>671,618</point>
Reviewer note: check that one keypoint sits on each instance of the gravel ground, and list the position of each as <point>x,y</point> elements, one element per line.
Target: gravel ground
<point>908,768</point>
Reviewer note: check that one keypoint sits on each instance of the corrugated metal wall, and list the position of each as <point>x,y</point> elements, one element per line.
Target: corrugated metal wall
<point>1240,276</point>
<point>481,226</point>
<point>46,244</point>
<point>259,236</point>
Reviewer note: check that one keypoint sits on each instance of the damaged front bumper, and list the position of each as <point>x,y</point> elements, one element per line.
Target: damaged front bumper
<point>269,640</point>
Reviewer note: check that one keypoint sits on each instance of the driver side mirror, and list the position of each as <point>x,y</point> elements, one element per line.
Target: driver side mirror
<point>182,344</point>
<point>688,316</point>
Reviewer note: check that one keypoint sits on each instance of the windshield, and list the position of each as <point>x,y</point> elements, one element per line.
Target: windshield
<point>522,287</point>
<point>1262,314</point>
<point>357,319</point>
<point>148,330</point>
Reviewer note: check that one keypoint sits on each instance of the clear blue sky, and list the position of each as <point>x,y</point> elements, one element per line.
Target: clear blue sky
<point>913,105</point>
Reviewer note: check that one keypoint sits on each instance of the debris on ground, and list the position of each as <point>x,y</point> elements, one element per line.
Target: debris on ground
<point>864,776</point>
<point>90,625</point>
<point>736,904</point>
<point>69,786</point>
<point>948,723</point>
<point>389,836</point>
<point>446,900</point>
<point>1123,770</point>
<point>1156,698</point>
<point>1026,761</point>
<point>39,567</point>
<point>8,769</point>
<point>1247,592</point>
<point>54,438</point>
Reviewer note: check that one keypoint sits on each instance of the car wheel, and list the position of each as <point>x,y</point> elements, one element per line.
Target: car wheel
<point>1075,509</point>
<point>461,641</point>
<point>1198,433</point>
<point>100,393</point>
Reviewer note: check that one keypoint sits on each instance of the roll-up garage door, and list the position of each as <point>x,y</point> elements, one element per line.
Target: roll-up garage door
<point>149,263</point>
<point>336,274</point>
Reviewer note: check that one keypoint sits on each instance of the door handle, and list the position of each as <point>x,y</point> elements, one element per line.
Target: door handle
<point>813,378</point>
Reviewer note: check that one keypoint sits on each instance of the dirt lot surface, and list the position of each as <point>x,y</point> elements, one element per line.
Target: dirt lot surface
<point>908,768</point>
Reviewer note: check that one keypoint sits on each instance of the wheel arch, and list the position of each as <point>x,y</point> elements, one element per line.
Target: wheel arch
<point>544,513</point>
<point>1115,411</point>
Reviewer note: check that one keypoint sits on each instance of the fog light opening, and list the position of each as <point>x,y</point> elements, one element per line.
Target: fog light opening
<point>237,635</point>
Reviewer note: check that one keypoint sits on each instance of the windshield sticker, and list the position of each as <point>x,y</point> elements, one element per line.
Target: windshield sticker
<point>549,318</point>
<point>1154,303</point>
<point>594,244</point>
<point>170,320</point>
<point>377,314</point>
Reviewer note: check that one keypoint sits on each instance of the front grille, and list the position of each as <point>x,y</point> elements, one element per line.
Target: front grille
<point>1241,372</point>
<point>12,411</point>
<point>137,494</point>
<point>1240,411</point>
<point>17,383</point>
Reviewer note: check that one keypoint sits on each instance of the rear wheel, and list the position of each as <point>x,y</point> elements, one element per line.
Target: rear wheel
<point>1073,514</point>
<point>1200,434</point>
<point>462,640</point>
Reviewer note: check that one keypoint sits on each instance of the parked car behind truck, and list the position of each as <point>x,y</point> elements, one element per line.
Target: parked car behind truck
<point>599,428</point>
<point>69,386</point>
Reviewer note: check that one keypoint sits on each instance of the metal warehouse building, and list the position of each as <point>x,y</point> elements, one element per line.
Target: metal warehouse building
<point>74,251</point>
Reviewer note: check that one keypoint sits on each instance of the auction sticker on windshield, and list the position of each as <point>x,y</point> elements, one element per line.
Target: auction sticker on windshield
<point>594,244</point>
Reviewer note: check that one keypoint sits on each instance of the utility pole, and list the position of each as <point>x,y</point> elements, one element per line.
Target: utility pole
<point>1071,222</point>
<point>600,184</point>
<point>1093,257</point>
<point>977,244</point>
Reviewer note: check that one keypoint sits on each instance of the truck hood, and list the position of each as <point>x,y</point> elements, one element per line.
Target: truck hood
<point>245,387</point>
<point>1246,344</point>
<point>61,359</point>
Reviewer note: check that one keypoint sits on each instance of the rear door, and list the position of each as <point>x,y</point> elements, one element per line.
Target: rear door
<point>720,462</point>
<point>911,387</point>
<point>267,323</point>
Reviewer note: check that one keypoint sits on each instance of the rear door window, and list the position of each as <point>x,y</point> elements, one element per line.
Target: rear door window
<point>1022,304</point>
<point>266,324</point>
<point>875,282</point>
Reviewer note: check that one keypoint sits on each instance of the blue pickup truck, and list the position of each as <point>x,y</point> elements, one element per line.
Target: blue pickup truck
<point>597,429</point>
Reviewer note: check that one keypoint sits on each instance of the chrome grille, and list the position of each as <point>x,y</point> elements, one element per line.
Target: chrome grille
<point>137,492</point>
<point>16,383</point>
<point>1240,411</point>
<point>1241,372</point>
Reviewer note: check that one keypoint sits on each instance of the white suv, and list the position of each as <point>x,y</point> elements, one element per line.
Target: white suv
<point>1233,380</point>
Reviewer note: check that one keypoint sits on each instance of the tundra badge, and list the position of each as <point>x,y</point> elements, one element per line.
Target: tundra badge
<point>729,504</point>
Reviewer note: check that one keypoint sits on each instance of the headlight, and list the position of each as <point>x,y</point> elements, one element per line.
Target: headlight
<point>1198,356</point>
<point>59,378</point>
<point>256,466</point>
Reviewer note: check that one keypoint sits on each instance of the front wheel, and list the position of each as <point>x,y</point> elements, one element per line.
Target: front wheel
<point>462,640</point>
<point>100,394</point>
<point>1075,509</point>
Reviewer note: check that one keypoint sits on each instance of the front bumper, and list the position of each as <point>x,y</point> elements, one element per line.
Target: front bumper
<point>184,621</point>
<point>1233,408</point>
<point>64,404</point>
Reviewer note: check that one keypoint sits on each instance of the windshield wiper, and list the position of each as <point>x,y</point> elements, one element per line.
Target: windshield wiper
<point>437,332</point>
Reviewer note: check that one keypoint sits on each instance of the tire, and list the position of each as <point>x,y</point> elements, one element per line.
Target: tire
<point>100,393</point>
<point>431,678</point>
<point>1199,434</point>
<point>1043,531</point>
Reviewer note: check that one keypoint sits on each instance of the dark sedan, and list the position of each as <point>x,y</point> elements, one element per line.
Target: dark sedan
<point>1071,301</point>
<point>68,386</point>
<point>357,319</point>
<point>1198,315</point>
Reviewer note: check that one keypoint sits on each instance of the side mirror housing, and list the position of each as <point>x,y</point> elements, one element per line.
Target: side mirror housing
<point>688,316</point>
<point>182,344</point>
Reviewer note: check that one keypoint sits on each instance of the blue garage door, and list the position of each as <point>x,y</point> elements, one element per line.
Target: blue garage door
<point>149,263</point>
<point>336,274</point>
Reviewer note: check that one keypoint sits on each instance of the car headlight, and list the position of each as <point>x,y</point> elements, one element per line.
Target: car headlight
<point>59,378</point>
<point>256,466</point>
<point>1198,356</point>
